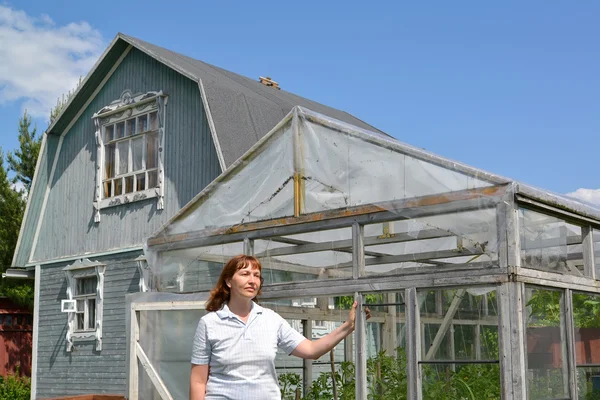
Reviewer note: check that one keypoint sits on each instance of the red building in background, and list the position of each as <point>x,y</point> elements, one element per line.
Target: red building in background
<point>16,327</point>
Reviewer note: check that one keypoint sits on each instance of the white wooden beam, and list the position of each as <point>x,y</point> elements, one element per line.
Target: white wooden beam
<point>158,383</point>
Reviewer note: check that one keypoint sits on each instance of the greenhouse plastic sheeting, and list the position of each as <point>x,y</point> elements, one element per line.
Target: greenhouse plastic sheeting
<point>310,164</point>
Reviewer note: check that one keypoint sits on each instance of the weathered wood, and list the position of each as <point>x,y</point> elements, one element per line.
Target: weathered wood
<point>413,345</point>
<point>307,363</point>
<point>569,362</point>
<point>361,350</point>
<point>134,337</point>
<point>358,250</point>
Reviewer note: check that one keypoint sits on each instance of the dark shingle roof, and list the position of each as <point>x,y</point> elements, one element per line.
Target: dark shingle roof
<point>243,110</point>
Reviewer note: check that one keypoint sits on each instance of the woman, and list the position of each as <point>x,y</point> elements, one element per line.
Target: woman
<point>236,342</point>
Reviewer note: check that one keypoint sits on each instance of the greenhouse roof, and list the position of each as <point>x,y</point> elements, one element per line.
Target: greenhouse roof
<point>311,164</point>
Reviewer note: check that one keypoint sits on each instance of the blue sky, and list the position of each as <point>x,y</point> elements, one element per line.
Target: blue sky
<point>510,87</point>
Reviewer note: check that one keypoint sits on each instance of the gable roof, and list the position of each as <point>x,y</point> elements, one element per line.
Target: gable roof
<point>240,110</point>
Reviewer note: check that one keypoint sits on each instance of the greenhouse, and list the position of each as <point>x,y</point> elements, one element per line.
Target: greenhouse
<point>479,287</point>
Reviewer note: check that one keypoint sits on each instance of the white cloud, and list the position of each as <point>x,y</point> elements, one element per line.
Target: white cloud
<point>590,196</point>
<point>40,61</point>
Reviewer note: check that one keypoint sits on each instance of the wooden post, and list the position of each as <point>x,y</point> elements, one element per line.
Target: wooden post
<point>361,354</point>
<point>307,363</point>
<point>413,345</point>
<point>569,336</point>
<point>134,336</point>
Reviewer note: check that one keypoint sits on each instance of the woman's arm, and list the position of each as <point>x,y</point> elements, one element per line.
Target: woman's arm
<point>314,349</point>
<point>198,379</point>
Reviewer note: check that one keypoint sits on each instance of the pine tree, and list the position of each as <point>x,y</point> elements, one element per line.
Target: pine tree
<point>12,207</point>
<point>22,161</point>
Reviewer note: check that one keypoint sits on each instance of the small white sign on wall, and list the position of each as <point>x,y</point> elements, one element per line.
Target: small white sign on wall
<point>68,306</point>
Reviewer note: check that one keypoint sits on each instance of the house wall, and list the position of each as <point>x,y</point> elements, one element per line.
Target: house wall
<point>191,162</point>
<point>84,370</point>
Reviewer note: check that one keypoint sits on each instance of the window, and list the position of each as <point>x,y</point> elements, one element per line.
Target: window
<point>85,294</point>
<point>85,287</point>
<point>129,134</point>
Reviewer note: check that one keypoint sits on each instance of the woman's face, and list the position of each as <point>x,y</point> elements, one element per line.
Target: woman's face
<point>245,282</point>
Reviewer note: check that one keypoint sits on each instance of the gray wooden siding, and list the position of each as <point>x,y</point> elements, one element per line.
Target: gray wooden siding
<point>191,163</point>
<point>84,370</point>
<point>36,200</point>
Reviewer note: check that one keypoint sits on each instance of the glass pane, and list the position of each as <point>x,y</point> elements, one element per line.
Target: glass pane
<point>92,314</point>
<point>118,186</point>
<point>86,286</point>
<point>550,243</point>
<point>546,344</point>
<point>466,381</point>
<point>153,121</point>
<point>80,321</point>
<point>129,184</point>
<point>307,256</point>
<point>386,342</point>
<point>109,131</point>
<point>459,324</point>
<point>8,320</point>
<point>107,189</point>
<point>152,179</point>
<point>151,150</point>
<point>442,240</point>
<point>143,123</point>
<point>588,383</point>
<point>586,318</point>
<point>130,127</point>
<point>123,148</point>
<point>137,153</point>
<point>120,127</point>
<point>109,161</point>
<point>140,182</point>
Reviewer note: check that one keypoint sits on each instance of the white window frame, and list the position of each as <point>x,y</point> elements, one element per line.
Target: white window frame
<point>84,268</point>
<point>121,111</point>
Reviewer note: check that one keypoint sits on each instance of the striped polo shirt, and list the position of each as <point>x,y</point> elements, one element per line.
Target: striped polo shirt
<point>241,355</point>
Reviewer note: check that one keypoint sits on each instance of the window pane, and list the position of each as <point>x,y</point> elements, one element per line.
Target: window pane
<point>109,132</point>
<point>80,322</point>
<point>154,121</point>
<point>546,345</point>
<point>80,307</point>
<point>130,127</point>
<point>92,314</point>
<point>586,318</point>
<point>129,184</point>
<point>118,185</point>
<point>143,123</point>
<point>123,157</point>
<point>86,285</point>
<point>151,150</point>
<point>140,182</point>
<point>550,243</point>
<point>137,153</point>
<point>107,189</point>
<point>120,130</point>
<point>109,161</point>
<point>152,179</point>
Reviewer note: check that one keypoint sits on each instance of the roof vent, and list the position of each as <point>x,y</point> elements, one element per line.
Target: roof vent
<point>267,81</point>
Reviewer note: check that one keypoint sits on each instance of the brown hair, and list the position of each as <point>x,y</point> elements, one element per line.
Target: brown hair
<point>221,293</point>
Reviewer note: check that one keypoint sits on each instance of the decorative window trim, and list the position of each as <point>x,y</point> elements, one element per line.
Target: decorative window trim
<point>81,269</point>
<point>144,272</point>
<point>127,106</point>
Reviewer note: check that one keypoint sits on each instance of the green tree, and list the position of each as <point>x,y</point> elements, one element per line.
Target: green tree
<point>22,161</point>
<point>12,206</point>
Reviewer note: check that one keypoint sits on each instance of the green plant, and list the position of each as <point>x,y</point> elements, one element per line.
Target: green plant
<point>14,387</point>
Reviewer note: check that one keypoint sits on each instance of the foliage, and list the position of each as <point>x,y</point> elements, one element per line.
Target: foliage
<point>13,387</point>
<point>387,380</point>
<point>22,161</point>
<point>11,213</point>
<point>61,102</point>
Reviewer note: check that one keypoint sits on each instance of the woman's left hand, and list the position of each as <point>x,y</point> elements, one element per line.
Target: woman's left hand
<point>352,315</point>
